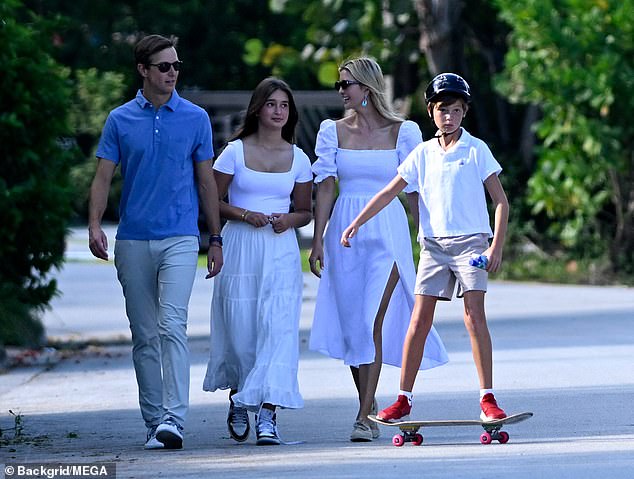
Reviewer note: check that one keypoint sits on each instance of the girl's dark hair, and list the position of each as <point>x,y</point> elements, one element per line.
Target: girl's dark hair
<point>262,93</point>
<point>150,45</point>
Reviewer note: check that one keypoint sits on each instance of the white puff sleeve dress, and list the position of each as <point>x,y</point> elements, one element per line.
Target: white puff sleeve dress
<point>354,279</point>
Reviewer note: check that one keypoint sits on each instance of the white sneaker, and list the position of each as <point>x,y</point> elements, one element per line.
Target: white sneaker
<point>266,428</point>
<point>151,442</point>
<point>169,433</point>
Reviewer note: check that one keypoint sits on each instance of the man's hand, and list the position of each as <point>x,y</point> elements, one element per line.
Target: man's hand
<point>98,242</point>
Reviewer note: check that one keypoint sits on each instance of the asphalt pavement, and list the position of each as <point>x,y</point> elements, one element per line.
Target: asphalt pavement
<point>566,353</point>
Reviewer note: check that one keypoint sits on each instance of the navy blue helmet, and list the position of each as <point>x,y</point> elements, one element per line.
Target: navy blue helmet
<point>447,83</point>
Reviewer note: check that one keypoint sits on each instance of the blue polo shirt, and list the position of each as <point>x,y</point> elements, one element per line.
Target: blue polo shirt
<point>156,150</point>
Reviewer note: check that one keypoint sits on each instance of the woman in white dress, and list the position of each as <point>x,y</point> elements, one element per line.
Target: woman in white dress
<point>256,301</point>
<point>366,293</point>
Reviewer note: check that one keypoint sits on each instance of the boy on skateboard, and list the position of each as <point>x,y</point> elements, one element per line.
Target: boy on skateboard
<point>451,172</point>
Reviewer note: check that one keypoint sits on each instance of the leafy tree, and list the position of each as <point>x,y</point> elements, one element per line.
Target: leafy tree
<point>573,58</point>
<point>211,36</point>
<point>336,29</point>
<point>34,187</point>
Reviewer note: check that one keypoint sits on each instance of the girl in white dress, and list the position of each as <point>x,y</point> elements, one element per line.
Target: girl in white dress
<point>256,301</point>
<point>366,293</point>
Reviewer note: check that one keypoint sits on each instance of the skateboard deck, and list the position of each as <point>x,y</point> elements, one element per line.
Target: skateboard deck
<point>492,429</point>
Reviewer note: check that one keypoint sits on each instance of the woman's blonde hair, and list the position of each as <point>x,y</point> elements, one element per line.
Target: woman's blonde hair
<point>367,71</point>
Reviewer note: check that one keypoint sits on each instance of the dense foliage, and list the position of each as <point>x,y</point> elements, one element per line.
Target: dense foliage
<point>573,59</point>
<point>34,188</point>
<point>211,37</point>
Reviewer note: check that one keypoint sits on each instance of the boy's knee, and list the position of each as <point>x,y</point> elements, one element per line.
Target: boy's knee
<point>476,324</point>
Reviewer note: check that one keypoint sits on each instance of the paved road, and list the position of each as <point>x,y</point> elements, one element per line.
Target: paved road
<point>564,352</point>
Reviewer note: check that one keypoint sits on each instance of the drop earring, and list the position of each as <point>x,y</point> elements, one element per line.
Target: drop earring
<point>364,103</point>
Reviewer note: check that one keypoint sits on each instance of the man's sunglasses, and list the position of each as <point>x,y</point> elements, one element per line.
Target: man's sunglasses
<point>164,67</point>
<point>345,84</point>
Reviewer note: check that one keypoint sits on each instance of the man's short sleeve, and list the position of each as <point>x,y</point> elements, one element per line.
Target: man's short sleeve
<point>108,147</point>
<point>204,149</point>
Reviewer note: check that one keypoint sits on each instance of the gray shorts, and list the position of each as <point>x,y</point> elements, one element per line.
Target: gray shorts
<point>443,260</point>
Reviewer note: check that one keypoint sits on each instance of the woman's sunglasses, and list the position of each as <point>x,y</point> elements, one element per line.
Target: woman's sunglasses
<point>345,84</point>
<point>164,67</point>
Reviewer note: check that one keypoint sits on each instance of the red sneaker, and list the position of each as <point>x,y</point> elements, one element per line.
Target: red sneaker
<point>397,411</point>
<point>490,409</point>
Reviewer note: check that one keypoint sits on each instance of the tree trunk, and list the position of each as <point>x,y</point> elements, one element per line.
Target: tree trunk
<point>622,245</point>
<point>439,38</point>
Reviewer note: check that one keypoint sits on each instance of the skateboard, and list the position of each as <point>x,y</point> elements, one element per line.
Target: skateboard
<point>492,429</point>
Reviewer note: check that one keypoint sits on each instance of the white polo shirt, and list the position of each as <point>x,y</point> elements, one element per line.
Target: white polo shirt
<point>452,198</point>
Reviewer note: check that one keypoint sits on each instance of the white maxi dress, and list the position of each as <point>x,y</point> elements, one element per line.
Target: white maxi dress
<point>354,279</point>
<point>256,304</point>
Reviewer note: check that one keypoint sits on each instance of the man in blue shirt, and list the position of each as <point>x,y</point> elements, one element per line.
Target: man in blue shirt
<point>163,144</point>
